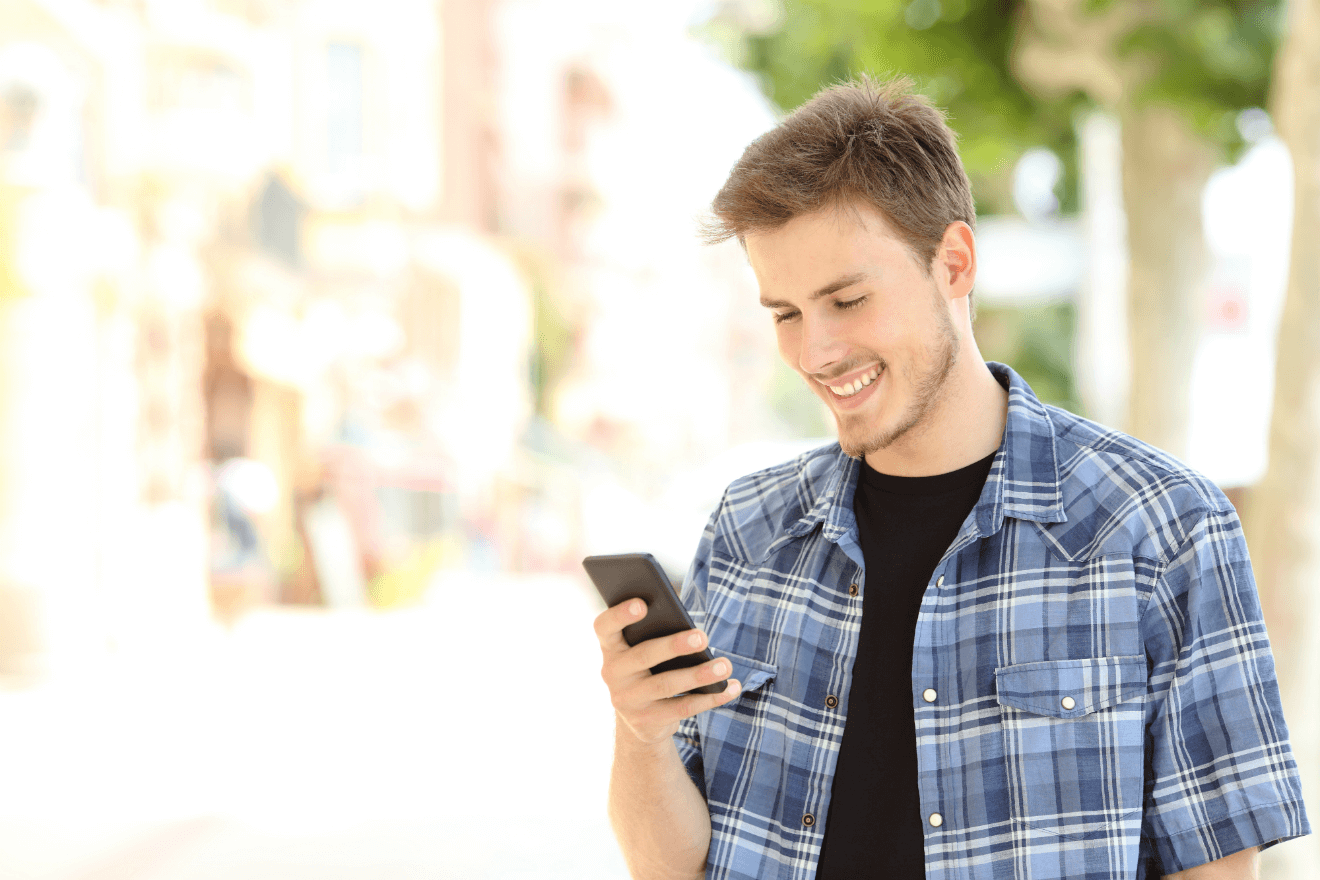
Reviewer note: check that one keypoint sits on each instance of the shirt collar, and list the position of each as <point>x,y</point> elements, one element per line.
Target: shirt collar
<point>1024,477</point>
<point>1023,480</point>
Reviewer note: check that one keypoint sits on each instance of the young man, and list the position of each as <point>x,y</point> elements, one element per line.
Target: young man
<point>980,638</point>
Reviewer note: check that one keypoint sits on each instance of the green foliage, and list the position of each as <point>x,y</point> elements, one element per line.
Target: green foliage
<point>1037,342</point>
<point>957,51</point>
<point>1212,58</point>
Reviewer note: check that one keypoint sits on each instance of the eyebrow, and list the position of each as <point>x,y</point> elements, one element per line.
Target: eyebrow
<point>833,287</point>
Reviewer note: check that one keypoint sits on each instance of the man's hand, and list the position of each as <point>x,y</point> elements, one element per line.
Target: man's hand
<point>645,703</point>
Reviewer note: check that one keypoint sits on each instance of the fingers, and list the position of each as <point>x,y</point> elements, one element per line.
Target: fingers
<point>663,685</point>
<point>637,697</point>
<point>610,623</point>
<point>645,702</point>
<point>609,627</point>
<point>654,720</point>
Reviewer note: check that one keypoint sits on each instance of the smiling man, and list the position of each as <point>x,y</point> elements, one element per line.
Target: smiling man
<point>980,637</point>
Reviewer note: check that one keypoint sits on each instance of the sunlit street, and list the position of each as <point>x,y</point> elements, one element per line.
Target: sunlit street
<point>469,737</point>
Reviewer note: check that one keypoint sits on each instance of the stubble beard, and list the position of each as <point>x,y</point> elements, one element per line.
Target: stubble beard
<point>859,439</point>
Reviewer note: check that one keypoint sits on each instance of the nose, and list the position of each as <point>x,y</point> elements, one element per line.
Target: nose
<point>821,347</point>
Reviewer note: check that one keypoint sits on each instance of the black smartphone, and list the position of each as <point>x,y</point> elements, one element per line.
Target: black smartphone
<point>625,576</point>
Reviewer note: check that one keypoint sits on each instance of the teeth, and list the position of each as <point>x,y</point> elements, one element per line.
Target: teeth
<point>851,388</point>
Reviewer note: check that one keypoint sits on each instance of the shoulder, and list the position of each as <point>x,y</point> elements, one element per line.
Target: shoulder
<point>1119,493</point>
<point>759,508</point>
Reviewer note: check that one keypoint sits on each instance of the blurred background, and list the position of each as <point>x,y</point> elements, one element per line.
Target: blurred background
<point>333,335</point>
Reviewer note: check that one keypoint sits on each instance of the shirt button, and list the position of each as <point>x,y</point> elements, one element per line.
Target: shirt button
<point>936,820</point>
<point>940,583</point>
<point>831,701</point>
<point>808,820</point>
<point>929,695</point>
<point>852,589</point>
<point>1068,702</point>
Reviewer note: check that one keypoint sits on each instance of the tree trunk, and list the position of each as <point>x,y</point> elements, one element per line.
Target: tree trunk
<point>1065,45</point>
<point>1283,517</point>
<point>1165,167</point>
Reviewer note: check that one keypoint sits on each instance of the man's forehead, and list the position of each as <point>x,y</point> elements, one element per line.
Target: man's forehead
<point>817,254</point>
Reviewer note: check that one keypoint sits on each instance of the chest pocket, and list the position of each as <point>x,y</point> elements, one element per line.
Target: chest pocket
<point>751,674</point>
<point>1074,743</point>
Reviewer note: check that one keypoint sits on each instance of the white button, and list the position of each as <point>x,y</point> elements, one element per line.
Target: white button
<point>940,583</point>
<point>936,820</point>
<point>1068,703</point>
<point>928,695</point>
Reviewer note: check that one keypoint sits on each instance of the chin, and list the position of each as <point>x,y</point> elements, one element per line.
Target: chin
<point>860,440</point>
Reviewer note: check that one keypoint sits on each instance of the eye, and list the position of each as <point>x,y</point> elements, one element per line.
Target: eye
<point>781,317</point>
<point>844,305</point>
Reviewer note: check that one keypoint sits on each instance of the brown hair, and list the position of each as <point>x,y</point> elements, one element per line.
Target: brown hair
<point>863,141</point>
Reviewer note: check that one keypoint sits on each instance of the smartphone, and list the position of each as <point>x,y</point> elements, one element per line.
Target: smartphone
<point>625,576</point>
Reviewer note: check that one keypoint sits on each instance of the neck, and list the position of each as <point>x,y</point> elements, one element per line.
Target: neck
<point>966,425</point>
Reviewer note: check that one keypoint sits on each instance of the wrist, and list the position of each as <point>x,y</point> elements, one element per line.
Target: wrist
<point>627,740</point>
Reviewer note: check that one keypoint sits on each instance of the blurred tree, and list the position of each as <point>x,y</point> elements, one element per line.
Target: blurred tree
<point>957,50</point>
<point>1283,514</point>
<point>1175,74</point>
<point>1014,73</point>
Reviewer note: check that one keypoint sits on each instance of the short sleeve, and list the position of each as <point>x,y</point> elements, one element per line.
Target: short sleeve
<point>1221,775</point>
<point>693,594</point>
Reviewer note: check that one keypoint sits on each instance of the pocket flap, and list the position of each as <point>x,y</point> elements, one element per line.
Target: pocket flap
<point>752,674</point>
<point>1070,688</point>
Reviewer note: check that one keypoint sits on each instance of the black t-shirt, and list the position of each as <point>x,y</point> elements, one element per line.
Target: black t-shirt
<point>874,825</point>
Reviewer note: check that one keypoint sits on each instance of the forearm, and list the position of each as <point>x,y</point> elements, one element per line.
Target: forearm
<point>659,816</point>
<point>1243,865</point>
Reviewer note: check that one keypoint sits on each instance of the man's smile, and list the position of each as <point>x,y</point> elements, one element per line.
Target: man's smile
<point>848,389</point>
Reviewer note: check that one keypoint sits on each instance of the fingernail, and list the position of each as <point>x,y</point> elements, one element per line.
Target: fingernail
<point>695,640</point>
<point>733,687</point>
<point>722,668</point>
<point>635,608</point>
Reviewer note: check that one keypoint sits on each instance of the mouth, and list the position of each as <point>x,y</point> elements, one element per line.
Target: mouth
<point>848,389</point>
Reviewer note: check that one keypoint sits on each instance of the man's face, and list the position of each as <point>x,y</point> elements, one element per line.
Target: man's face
<point>860,320</point>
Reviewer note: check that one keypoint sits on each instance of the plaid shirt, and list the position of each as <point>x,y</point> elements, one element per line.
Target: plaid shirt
<point>1093,688</point>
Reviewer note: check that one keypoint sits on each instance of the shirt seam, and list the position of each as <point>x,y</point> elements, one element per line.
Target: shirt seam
<point>1135,454</point>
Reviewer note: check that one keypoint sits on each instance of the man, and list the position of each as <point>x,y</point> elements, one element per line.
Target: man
<point>980,637</point>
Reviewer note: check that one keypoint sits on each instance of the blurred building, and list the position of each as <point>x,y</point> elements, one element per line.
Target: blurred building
<point>303,298</point>
<point>243,231</point>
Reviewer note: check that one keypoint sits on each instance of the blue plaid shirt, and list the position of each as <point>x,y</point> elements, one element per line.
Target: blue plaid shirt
<point>1093,688</point>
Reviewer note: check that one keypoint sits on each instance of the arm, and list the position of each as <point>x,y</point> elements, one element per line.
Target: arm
<point>1242,865</point>
<point>659,817</point>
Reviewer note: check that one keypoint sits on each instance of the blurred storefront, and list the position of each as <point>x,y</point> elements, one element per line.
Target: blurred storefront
<point>259,340</point>
<point>304,299</point>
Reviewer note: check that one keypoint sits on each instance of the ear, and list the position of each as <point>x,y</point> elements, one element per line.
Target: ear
<point>955,261</point>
